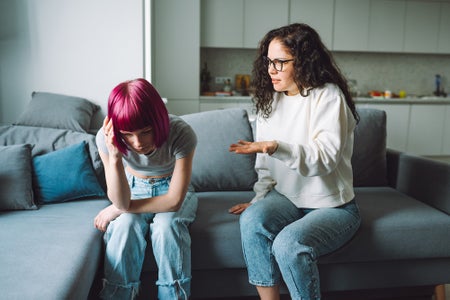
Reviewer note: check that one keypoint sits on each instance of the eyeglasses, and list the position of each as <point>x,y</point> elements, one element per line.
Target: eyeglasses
<point>276,63</point>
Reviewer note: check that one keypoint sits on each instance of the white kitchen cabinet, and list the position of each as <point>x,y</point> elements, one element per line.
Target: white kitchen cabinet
<point>222,23</point>
<point>386,25</point>
<point>317,14</point>
<point>260,16</point>
<point>422,26</point>
<point>397,123</point>
<point>351,25</point>
<point>444,29</point>
<point>240,23</point>
<point>175,47</point>
<point>426,129</point>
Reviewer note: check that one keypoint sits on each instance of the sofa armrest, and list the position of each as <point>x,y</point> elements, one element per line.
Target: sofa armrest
<point>422,178</point>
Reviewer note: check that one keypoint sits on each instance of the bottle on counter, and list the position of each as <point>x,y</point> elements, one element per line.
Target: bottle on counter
<point>205,77</point>
<point>227,86</point>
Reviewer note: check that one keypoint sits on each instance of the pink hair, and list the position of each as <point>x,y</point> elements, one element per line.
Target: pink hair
<point>136,104</point>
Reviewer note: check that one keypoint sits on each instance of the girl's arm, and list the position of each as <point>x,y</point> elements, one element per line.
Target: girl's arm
<point>116,181</point>
<point>174,198</point>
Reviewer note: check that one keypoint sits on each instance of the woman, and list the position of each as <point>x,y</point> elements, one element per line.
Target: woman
<point>304,205</point>
<point>147,155</point>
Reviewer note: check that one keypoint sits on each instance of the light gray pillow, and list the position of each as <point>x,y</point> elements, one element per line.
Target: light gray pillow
<point>16,178</point>
<point>369,150</point>
<point>214,167</point>
<point>58,111</point>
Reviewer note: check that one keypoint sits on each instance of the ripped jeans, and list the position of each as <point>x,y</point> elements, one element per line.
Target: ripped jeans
<point>280,240</point>
<point>125,240</point>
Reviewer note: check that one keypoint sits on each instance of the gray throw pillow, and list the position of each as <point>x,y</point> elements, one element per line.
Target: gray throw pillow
<point>58,111</point>
<point>16,178</point>
<point>214,167</point>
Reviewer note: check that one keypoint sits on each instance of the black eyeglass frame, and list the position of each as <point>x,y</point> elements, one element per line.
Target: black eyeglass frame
<point>276,61</point>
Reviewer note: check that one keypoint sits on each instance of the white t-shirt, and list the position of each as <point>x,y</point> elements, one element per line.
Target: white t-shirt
<point>181,141</point>
<point>312,164</point>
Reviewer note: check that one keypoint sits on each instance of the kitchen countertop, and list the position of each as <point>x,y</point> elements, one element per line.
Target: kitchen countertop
<point>407,100</point>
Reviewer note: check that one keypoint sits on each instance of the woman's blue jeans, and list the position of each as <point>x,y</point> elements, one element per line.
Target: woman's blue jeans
<point>125,240</point>
<point>281,240</point>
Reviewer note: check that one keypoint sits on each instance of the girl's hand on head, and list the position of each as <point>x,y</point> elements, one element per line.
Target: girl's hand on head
<point>108,130</point>
<point>239,208</point>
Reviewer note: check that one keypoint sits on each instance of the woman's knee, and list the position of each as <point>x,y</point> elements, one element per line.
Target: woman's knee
<point>290,249</point>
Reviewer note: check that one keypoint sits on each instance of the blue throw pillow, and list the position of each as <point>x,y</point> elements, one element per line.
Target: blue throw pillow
<point>64,175</point>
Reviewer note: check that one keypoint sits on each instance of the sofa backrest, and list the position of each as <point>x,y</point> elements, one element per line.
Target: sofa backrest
<point>215,168</point>
<point>369,150</point>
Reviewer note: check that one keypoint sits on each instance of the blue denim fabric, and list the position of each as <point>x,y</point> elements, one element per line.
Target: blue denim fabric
<point>280,240</point>
<point>125,240</point>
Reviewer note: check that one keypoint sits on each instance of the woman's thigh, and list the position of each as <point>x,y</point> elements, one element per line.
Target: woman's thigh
<point>324,229</point>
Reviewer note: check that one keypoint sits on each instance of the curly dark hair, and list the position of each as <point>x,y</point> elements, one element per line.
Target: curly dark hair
<point>314,66</point>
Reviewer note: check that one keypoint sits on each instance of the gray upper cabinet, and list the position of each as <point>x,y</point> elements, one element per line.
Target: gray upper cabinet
<point>444,29</point>
<point>422,26</point>
<point>412,26</point>
<point>260,16</point>
<point>222,23</point>
<point>317,14</point>
<point>351,25</point>
<point>386,25</point>
<point>240,23</point>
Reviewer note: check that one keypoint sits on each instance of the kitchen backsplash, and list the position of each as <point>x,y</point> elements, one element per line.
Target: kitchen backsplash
<point>414,73</point>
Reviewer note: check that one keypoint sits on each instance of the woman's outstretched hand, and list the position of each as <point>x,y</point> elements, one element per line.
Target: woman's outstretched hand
<point>246,147</point>
<point>239,208</point>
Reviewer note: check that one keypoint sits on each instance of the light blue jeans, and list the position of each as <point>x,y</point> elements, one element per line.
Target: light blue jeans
<point>281,240</point>
<point>125,240</point>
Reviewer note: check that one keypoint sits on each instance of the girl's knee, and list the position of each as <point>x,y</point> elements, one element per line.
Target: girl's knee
<point>125,226</point>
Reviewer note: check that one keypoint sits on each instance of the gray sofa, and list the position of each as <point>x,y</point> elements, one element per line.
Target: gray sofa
<point>49,249</point>
<point>402,248</point>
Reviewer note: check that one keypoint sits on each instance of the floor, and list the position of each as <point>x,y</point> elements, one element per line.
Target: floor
<point>285,297</point>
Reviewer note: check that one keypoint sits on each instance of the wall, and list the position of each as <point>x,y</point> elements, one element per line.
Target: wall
<point>413,73</point>
<point>81,48</point>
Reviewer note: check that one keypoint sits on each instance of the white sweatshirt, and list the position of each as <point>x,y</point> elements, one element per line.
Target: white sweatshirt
<point>312,165</point>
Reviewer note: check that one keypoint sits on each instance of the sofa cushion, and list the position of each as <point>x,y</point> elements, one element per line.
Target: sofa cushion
<point>15,178</point>
<point>214,167</point>
<point>65,175</point>
<point>215,234</point>
<point>394,227</point>
<point>369,151</point>
<point>58,111</point>
<point>50,253</point>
